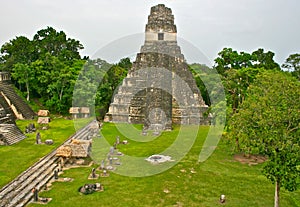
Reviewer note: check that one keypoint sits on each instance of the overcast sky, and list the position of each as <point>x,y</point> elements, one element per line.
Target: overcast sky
<point>209,25</point>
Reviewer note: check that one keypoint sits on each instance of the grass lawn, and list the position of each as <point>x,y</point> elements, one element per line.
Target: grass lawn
<point>188,183</point>
<point>20,156</point>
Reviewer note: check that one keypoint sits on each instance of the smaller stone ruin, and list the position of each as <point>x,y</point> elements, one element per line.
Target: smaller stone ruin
<point>43,117</point>
<point>79,112</point>
<point>74,150</point>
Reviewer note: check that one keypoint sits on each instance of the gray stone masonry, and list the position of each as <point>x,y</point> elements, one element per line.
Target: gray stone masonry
<point>159,89</point>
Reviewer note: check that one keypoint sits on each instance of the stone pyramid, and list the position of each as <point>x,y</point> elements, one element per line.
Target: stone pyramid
<point>159,89</point>
<point>12,107</point>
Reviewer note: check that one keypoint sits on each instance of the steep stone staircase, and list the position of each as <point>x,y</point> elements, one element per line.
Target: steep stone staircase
<point>7,90</point>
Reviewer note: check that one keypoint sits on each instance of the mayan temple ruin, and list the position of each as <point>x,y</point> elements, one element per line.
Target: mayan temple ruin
<point>12,107</point>
<point>159,89</point>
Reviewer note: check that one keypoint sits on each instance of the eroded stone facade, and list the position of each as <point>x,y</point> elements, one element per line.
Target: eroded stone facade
<point>159,90</point>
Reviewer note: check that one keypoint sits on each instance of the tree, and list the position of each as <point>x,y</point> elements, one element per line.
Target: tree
<point>236,83</point>
<point>292,63</point>
<point>18,50</point>
<point>49,41</point>
<point>125,63</point>
<point>267,123</point>
<point>264,60</point>
<point>110,82</point>
<point>87,84</point>
<point>25,75</point>
<point>202,73</point>
<point>52,59</point>
<point>56,81</point>
<point>231,59</point>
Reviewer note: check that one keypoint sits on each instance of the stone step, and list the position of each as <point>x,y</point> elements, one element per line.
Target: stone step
<point>27,177</point>
<point>29,195</point>
<point>32,177</point>
<point>5,120</point>
<point>32,184</point>
<point>27,172</point>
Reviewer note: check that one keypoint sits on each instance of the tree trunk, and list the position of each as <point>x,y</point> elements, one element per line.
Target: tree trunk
<point>61,93</point>
<point>277,190</point>
<point>27,88</point>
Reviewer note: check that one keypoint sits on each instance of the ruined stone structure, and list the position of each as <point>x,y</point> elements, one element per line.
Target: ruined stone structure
<point>12,107</point>
<point>18,107</point>
<point>159,89</point>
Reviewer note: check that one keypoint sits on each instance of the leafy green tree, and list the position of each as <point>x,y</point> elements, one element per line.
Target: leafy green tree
<point>262,59</point>
<point>292,63</point>
<point>212,92</point>
<point>202,73</point>
<point>18,50</point>
<point>267,123</point>
<point>114,76</point>
<point>236,83</point>
<point>25,75</point>
<point>89,80</point>
<point>56,84</point>
<point>50,41</point>
<point>125,63</point>
<point>231,59</point>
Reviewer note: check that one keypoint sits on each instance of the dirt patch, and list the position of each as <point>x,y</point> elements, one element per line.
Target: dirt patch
<point>250,159</point>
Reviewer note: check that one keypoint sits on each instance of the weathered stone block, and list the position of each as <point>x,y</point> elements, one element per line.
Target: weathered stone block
<point>43,113</point>
<point>43,120</point>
